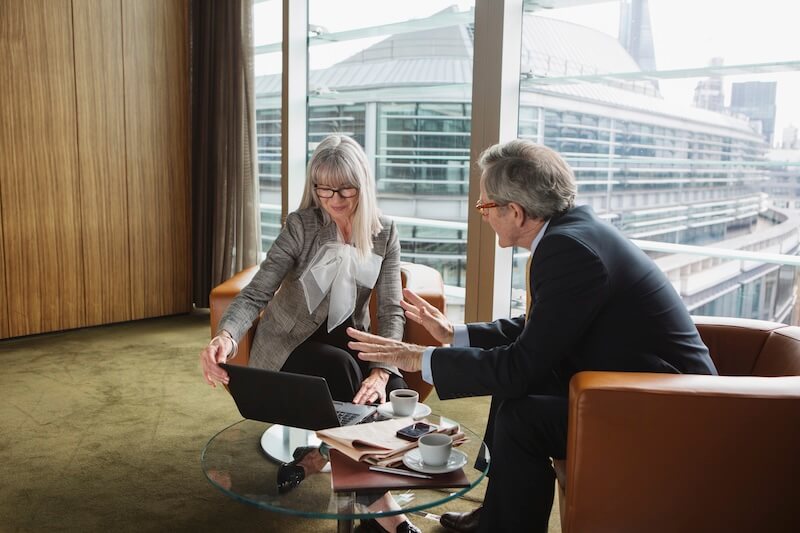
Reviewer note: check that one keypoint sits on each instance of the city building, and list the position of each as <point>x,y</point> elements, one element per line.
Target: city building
<point>789,139</point>
<point>636,33</point>
<point>783,186</point>
<point>756,99</point>
<point>658,171</point>
<point>709,93</point>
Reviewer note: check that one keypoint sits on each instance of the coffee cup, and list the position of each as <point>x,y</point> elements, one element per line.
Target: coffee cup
<point>434,448</point>
<point>404,401</point>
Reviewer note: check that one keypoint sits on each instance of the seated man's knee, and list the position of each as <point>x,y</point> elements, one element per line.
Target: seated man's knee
<point>532,415</point>
<point>508,414</point>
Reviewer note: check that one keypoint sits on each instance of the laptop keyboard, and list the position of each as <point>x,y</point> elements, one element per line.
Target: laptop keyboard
<point>345,418</point>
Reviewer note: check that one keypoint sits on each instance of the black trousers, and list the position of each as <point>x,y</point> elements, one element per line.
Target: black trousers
<point>326,355</point>
<point>522,435</point>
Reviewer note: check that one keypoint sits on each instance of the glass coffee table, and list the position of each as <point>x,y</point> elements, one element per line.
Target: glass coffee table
<point>234,461</point>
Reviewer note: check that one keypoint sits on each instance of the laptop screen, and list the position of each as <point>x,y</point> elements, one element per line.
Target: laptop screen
<point>294,400</point>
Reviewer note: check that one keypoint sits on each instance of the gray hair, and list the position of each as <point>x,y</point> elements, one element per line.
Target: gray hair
<point>529,174</point>
<point>343,163</point>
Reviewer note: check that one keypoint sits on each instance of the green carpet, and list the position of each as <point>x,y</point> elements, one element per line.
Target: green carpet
<point>103,428</point>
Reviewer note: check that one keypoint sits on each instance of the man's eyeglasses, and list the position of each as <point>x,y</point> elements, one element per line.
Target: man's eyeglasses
<point>325,192</point>
<point>483,206</point>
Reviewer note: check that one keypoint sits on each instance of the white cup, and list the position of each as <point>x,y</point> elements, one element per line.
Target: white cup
<point>434,448</point>
<point>404,401</point>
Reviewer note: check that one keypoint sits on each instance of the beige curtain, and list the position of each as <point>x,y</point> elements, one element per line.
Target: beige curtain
<point>225,214</point>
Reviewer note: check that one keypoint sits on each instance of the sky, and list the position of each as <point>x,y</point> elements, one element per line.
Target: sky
<point>686,33</point>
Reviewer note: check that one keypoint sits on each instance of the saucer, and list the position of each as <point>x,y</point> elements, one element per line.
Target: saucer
<point>420,411</point>
<point>413,460</point>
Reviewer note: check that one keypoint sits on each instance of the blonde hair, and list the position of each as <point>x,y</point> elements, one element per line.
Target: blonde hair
<point>344,164</point>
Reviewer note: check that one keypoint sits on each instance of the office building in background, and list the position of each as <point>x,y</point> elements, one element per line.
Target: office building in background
<point>756,100</point>
<point>657,170</point>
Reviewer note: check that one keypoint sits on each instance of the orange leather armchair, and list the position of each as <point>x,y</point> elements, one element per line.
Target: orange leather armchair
<point>672,453</point>
<point>422,279</point>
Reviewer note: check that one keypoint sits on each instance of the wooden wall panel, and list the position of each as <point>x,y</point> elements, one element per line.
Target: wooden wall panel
<point>3,300</point>
<point>155,51</point>
<point>40,201</point>
<point>101,150</point>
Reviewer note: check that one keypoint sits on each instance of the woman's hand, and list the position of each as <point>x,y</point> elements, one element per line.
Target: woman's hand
<point>426,315</point>
<point>373,388</point>
<point>212,355</point>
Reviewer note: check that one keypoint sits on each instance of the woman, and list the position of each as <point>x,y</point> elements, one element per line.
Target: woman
<point>330,255</point>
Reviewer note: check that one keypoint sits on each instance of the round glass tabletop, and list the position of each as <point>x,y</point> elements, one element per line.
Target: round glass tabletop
<point>234,461</point>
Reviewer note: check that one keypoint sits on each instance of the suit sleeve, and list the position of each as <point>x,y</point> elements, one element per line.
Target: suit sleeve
<point>391,319</point>
<point>390,316</point>
<point>282,256</point>
<point>499,332</point>
<point>571,284</point>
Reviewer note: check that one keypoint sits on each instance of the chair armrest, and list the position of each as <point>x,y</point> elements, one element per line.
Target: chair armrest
<point>221,297</point>
<point>428,284</point>
<point>708,440</point>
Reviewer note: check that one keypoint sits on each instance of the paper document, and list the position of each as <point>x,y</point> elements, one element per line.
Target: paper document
<point>376,443</point>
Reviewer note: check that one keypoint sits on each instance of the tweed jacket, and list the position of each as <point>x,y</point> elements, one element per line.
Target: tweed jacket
<point>286,322</point>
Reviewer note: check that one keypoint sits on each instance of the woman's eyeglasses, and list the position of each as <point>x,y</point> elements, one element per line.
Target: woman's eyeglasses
<point>325,192</point>
<point>483,206</point>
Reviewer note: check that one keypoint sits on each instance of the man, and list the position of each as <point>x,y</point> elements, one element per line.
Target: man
<point>598,303</point>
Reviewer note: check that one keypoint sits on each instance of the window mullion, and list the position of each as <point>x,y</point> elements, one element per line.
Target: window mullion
<point>294,98</point>
<point>495,108</point>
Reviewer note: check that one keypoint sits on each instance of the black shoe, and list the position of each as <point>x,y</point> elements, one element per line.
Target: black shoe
<point>291,474</point>
<point>408,527</point>
<point>462,522</point>
<point>372,526</point>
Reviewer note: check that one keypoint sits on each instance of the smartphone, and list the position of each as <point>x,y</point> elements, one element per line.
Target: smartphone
<point>415,430</point>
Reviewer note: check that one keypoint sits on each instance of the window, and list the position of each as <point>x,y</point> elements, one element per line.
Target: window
<point>398,81</point>
<point>669,143</point>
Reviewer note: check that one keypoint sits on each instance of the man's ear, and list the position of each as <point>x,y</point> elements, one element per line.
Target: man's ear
<point>519,213</point>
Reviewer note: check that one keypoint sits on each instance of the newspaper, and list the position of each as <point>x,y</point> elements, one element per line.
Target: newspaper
<point>376,443</point>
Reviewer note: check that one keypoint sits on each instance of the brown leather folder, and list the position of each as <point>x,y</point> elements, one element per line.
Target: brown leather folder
<point>348,475</point>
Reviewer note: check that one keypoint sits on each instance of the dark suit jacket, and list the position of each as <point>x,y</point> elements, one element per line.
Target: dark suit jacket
<point>599,303</point>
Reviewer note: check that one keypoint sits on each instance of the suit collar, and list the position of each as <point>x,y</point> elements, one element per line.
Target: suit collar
<point>581,212</point>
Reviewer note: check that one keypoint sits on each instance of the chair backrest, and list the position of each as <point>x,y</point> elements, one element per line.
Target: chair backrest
<point>743,347</point>
<point>422,279</point>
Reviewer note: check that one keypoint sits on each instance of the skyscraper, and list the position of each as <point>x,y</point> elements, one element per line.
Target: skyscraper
<point>636,32</point>
<point>756,99</point>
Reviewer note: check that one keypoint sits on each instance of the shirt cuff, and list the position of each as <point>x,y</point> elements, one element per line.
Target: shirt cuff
<point>427,373</point>
<point>460,336</point>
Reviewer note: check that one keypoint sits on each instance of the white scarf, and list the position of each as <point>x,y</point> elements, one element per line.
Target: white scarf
<point>337,268</point>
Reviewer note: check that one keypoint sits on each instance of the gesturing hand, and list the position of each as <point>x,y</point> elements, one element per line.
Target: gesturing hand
<point>403,355</point>
<point>426,315</point>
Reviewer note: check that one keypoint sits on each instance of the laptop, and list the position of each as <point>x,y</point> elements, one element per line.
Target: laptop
<point>294,400</point>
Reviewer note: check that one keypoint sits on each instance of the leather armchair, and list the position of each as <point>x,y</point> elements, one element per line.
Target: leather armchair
<point>422,279</point>
<point>669,453</point>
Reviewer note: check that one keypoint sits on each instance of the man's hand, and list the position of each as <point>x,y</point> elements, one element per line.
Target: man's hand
<point>403,355</point>
<point>426,315</point>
